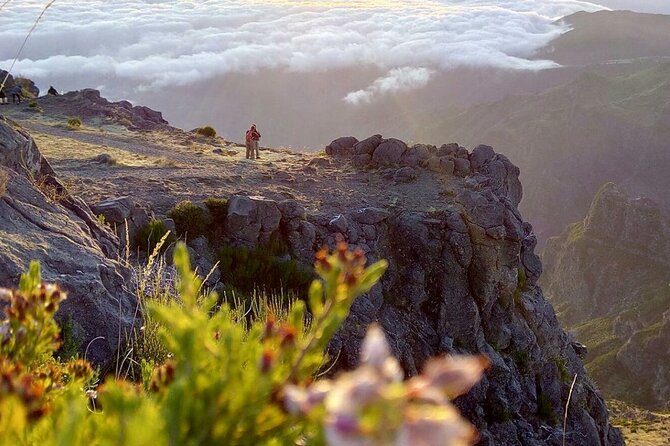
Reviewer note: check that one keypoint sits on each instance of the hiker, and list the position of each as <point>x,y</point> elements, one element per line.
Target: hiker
<point>3,97</point>
<point>52,91</point>
<point>15,91</point>
<point>252,138</point>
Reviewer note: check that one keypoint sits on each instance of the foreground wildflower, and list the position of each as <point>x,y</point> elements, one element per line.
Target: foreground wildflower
<point>372,405</point>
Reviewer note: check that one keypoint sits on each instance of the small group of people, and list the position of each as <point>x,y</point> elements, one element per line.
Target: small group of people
<point>15,91</point>
<point>17,94</point>
<point>252,138</point>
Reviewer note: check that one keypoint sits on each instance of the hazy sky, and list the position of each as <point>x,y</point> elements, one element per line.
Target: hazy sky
<point>152,44</point>
<point>652,6</point>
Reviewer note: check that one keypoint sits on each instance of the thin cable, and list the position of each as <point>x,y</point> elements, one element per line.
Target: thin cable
<point>4,4</point>
<point>18,54</point>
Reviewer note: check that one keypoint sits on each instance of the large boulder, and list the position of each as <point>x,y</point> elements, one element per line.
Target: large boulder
<point>342,146</point>
<point>125,216</point>
<point>389,152</point>
<point>368,146</point>
<point>46,224</point>
<point>252,220</point>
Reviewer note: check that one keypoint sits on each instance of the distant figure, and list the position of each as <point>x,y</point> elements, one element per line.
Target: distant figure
<point>3,97</point>
<point>52,91</point>
<point>252,138</point>
<point>15,91</point>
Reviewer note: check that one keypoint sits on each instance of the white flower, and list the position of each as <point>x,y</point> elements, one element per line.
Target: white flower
<point>376,353</point>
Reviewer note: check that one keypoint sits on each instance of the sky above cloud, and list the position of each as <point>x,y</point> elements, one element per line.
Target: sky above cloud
<point>154,44</point>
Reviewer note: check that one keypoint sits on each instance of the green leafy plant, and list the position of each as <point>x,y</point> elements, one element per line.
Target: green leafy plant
<point>190,220</point>
<point>228,379</point>
<point>33,104</point>
<point>207,131</point>
<point>218,210</point>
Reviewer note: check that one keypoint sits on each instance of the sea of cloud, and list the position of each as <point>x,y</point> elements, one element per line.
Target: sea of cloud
<point>154,44</point>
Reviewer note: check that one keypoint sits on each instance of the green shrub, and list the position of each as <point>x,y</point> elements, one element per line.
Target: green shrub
<point>190,220</point>
<point>544,409</point>
<point>249,269</point>
<point>150,235</point>
<point>33,104</point>
<point>74,123</point>
<point>207,131</point>
<point>218,210</point>
<point>71,337</point>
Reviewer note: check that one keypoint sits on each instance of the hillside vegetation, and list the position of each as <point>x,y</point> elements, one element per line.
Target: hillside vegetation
<point>609,279</point>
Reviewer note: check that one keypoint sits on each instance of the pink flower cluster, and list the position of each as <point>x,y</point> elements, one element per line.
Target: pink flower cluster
<point>374,406</point>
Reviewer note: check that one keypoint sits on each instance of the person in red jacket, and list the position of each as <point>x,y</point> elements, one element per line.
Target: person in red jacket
<point>252,138</point>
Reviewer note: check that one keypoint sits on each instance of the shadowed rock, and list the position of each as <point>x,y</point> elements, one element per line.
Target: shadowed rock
<point>49,225</point>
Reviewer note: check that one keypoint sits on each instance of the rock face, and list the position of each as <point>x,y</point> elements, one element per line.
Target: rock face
<point>39,220</point>
<point>88,105</point>
<point>608,276</point>
<point>463,279</point>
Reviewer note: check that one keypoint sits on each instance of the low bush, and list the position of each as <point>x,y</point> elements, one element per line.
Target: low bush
<point>190,220</point>
<point>74,123</point>
<point>150,235</point>
<point>207,131</point>
<point>218,210</point>
<point>33,104</point>
<point>249,269</point>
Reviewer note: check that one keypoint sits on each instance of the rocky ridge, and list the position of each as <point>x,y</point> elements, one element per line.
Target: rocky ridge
<point>40,220</point>
<point>608,276</point>
<point>91,107</point>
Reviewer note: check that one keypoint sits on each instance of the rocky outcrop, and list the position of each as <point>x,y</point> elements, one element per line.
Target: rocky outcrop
<point>462,279</point>
<point>39,220</point>
<point>608,276</point>
<point>28,85</point>
<point>88,105</point>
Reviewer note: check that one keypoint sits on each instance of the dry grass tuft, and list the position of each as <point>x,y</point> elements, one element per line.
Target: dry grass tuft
<point>4,179</point>
<point>51,189</point>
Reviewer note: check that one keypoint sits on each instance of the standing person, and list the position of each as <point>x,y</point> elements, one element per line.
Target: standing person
<point>252,138</point>
<point>3,97</point>
<point>15,91</point>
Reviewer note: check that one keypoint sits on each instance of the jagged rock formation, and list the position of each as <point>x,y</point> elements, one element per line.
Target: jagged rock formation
<point>89,106</point>
<point>609,277</point>
<point>39,220</point>
<point>462,279</point>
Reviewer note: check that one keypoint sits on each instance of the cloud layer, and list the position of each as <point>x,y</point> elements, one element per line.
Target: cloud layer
<point>152,44</point>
